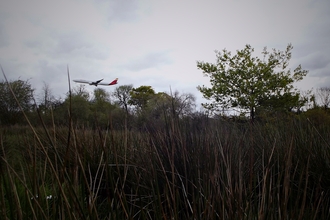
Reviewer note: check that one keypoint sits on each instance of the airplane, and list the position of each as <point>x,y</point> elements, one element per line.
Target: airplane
<point>96,83</point>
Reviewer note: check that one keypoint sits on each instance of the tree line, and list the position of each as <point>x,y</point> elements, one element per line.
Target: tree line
<point>255,87</point>
<point>126,103</point>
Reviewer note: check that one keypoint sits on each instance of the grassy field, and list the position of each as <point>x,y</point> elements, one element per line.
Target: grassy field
<point>197,168</point>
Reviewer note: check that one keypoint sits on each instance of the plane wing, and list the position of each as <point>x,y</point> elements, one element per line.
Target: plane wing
<point>82,81</point>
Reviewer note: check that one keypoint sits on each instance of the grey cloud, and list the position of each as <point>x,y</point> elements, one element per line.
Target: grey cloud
<point>51,69</point>
<point>324,73</point>
<point>75,43</point>
<point>69,42</point>
<point>324,78</point>
<point>4,39</point>
<point>68,45</point>
<point>14,69</point>
<point>317,64</point>
<point>316,61</point>
<point>312,52</point>
<point>97,53</point>
<point>3,36</point>
<point>123,10</point>
<point>33,43</point>
<point>151,60</point>
<point>325,83</point>
<point>314,42</point>
<point>53,74</point>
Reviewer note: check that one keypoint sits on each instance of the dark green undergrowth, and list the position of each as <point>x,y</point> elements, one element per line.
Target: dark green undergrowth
<point>196,168</point>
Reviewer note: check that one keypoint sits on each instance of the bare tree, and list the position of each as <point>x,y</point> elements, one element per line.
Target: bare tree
<point>184,103</point>
<point>122,95</point>
<point>305,100</point>
<point>324,96</point>
<point>81,91</point>
<point>176,104</point>
<point>46,99</point>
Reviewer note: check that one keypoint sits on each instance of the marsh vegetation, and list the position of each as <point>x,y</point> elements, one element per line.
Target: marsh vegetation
<point>194,167</point>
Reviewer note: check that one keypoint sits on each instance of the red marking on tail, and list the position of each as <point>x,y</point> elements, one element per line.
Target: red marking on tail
<point>114,82</point>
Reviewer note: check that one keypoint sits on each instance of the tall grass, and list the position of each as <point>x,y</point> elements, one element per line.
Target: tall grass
<point>216,170</point>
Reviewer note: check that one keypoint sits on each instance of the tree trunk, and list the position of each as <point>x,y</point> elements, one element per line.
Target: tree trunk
<point>252,114</point>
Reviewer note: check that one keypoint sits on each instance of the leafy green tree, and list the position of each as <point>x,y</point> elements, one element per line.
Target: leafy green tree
<point>101,106</point>
<point>101,98</point>
<point>248,82</point>
<point>10,111</point>
<point>159,105</point>
<point>140,96</point>
<point>77,106</point>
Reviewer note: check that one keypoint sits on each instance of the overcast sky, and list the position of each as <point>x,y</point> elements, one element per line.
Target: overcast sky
<point>154,42</point>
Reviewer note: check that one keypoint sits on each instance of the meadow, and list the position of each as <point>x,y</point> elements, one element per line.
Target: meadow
<point>193,168</point>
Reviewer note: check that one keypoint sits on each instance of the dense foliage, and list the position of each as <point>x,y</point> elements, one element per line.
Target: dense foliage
<point>11,112</point>
<point>248,82</point>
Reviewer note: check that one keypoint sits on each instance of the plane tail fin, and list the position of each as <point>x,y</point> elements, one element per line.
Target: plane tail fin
<point>114,82</point>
